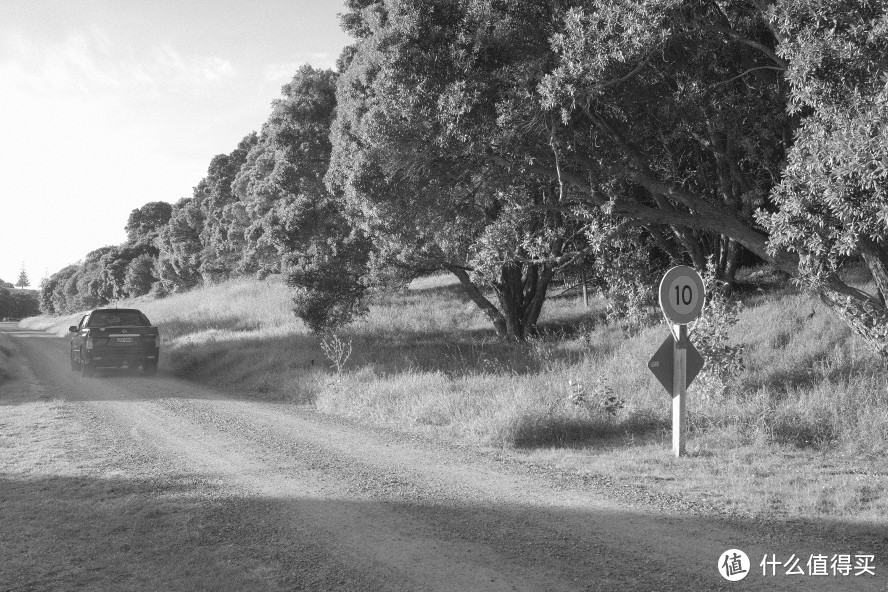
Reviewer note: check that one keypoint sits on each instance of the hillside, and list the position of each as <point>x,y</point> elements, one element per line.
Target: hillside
<point>801,431</point>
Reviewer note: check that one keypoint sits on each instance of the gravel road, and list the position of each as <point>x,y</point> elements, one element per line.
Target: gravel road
<point>305,501</point>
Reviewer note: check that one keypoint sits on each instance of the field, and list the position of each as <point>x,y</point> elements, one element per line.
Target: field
<point>800,433</point>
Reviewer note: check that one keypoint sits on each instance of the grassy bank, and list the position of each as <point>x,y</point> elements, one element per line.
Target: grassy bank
<point>802,432</point>
<point>7,370</point>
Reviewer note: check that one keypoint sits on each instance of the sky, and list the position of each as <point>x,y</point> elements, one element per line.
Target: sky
<point>106,105</point>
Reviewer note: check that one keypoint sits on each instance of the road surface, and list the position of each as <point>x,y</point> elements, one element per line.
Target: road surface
<point>124,482</point>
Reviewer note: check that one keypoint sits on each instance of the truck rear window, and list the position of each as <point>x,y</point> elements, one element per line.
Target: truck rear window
<point>115,318</point>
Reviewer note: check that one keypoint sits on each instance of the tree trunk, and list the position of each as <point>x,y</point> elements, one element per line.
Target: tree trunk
<point>876,259</point>
<point>668,248</point>
<point>866,315</point>
<point>495,316</point>
<point>732,256</point>
<point>585,289</point>
<point>510,293</point>
<point>521,292</point>
<point>722,262</point>
<point>537,297</point>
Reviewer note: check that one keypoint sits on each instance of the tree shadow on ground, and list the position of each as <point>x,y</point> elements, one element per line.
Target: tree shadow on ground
<point>177,533</point>
<point>579,432</point>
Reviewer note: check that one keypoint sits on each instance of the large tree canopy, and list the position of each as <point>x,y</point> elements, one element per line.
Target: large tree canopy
<point>281,182</point>
<point>454,117</point>
<point>222,236</point>
<point>833,200</point>
<point>671,115</point>
<point>414,158</point>
<point>292,223</point>
<point>145,223</point>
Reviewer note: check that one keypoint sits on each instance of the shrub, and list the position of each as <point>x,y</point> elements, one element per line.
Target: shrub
<point>724,362</point>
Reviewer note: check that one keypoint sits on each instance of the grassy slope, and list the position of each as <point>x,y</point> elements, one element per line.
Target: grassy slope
<point>803,435</point>
<point>7,368</point>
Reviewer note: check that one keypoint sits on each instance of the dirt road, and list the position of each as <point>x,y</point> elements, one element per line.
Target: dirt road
<point>123,482</point>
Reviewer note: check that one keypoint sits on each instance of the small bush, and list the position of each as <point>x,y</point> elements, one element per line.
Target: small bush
<point>724,361</point>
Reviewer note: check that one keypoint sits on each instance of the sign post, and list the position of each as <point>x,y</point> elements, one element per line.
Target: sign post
<point>679,391</point>
<point>682,294</point>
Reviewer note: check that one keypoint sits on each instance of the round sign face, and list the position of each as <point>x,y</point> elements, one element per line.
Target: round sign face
<point>682,294</point>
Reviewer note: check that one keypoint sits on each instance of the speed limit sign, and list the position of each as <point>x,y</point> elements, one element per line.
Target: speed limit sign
<point>682,294</point>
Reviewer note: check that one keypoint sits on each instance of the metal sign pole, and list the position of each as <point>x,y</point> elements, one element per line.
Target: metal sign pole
<point>679,386</point>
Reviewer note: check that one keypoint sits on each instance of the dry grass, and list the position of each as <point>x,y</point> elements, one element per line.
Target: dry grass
<point>802,432</point>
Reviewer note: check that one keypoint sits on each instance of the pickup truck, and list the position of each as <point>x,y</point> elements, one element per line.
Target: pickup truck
<point>114,338</point>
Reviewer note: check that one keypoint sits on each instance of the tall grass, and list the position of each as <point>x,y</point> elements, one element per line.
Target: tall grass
<point>426,360</point>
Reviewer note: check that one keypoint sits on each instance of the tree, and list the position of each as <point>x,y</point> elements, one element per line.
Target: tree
<point>281,183</point>
<point>179,259</point>
<point>23,281</point>
<point>144,223</point>
<point>53,293</point>
<point>222,235</point>
<point>296,225</point>
<point>629,111</point>
<point>48,286</point>
<point>424,210</point>
<point>662,114</point>
<point>833,199</point>
<point>139,276</point>
<point>17,304</point>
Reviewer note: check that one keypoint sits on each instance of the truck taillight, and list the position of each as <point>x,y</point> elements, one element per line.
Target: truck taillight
<point>89,343</point>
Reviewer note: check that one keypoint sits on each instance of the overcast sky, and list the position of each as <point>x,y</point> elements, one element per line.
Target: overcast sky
<point>106,105</point>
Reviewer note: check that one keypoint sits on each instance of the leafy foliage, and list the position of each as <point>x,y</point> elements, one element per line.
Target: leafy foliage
<point>835,185</point>
<point>328,277</point>
<point>417,114</point>
<point>627,272</point>
<point>144,224</point>
<point>222,234</point>
<point>601,397</point>
<point>139,275</point>
<point>724,361</point>
<point>17,304</point>
<point>280,184</point>
<point>832,202</point>
<point>179,260</point>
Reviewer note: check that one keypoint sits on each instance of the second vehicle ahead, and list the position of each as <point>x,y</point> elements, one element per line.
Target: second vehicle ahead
<point>114,338</point>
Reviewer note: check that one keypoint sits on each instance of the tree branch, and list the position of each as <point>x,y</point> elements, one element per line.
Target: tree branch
<point>754,44</point>
<point>747,72</point>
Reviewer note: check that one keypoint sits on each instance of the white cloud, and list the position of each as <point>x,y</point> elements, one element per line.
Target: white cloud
<point>284,71</point>
<point>94,64</point>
